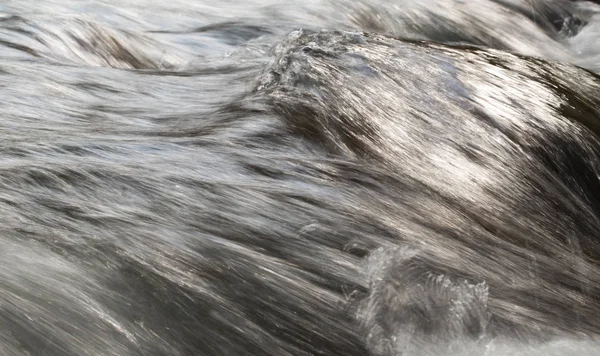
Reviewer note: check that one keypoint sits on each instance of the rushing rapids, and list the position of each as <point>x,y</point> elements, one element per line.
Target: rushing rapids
<point>335,177</point>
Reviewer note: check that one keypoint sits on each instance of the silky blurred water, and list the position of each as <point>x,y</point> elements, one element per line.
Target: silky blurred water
<point>191,177</point>
<point>90,67</point>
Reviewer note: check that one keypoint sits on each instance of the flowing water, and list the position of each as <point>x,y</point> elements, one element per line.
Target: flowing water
<point>318,177</point>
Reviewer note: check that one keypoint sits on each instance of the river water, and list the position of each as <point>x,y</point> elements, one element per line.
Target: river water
<point>317,177</point>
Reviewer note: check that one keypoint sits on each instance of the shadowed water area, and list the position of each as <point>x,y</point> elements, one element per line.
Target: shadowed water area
<point>383,178</point>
